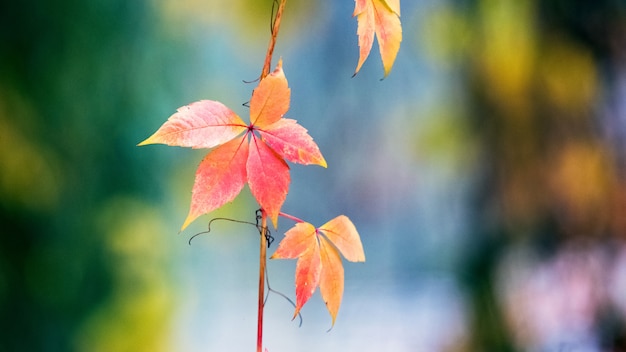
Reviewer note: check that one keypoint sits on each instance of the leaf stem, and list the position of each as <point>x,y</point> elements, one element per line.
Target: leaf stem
<point>290,217</point>
<point>270,48</point>
<point>261,303</point>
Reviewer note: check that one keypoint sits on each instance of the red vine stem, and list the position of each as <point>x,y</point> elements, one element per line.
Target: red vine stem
<point>263,249</point>
<point>262,261</point>
<point>270,48</point>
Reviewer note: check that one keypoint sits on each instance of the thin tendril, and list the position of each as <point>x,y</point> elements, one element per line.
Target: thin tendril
<point>273,16</point>
<point>254,80</point>
<point>270,289</point>
<point>261,230</point>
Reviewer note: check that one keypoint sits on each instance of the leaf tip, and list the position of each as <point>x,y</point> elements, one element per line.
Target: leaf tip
<point>358,66</point>
<point>295,314</point>
<point>190,218</point>
<point>279,68</point>
<point>333,318</point>
<point>145,142</point>
<point>274,221</point>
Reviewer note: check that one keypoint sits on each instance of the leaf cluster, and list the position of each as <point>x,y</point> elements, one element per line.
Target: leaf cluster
<point>255,154</point>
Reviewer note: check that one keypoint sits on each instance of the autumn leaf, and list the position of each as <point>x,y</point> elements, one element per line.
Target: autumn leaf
<point>319,263</point>
<point>257,157</point>
<point>380,18</point>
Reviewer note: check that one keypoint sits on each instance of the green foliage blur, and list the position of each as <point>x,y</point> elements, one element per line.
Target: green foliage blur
<point>82,256</point>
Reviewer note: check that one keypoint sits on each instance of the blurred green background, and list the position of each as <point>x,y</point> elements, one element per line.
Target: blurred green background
<point>486,176</point>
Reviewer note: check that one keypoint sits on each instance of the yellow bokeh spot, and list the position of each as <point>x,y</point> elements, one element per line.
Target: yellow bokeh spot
<point>29,171</point>
<point>137,316</point>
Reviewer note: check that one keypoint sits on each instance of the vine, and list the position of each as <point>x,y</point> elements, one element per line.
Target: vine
<point>255,153</point>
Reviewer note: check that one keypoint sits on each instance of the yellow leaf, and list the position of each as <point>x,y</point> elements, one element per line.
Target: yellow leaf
<point>380,18</point>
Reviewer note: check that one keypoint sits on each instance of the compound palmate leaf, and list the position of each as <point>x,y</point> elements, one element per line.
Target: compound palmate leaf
<point>319,263</point>
<point>380,18</point>
<point>256,158</point>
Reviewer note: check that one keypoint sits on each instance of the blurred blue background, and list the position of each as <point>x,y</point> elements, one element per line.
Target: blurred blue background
<point>486,176</point>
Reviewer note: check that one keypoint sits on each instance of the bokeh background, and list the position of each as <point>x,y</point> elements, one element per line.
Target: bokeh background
<point>486,176</point>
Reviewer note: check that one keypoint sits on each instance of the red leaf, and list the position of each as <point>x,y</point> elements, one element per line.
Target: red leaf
<point>203,124</point>
<point>268,177</point>
<point>381,18</point>
<point>319,262</point>
<point>220,177</point>
<point>292,142</point>
<point>308,270</point>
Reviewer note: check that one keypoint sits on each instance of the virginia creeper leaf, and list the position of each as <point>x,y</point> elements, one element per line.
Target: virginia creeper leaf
<point>296,241</point>
<point>359,6</point>
<point>308,270</point>
<point>394,5</point>
<point>203,124</point>
<point>380,18</point>
<point>292,142</point>
<point>342,233</point>
<point>270,100</point>
<point>319,263</point>
<point>220,177</point>
<point>268,178</point>
<point>331,278</point>
<point>234,162</point>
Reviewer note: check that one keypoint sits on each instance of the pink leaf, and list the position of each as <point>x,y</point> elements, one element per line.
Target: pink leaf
<point>292,142</point>
<point>268,178</point>
<point>203,124</point>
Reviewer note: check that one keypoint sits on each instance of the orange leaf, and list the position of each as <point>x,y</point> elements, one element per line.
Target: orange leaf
<point>331,279</point>
<point>394,5</point>
<point>296,241</point>
<point>270,100</point>
<point>220,177</point>
<point>380,18</point>
<point>319,262</point>
<point>203,124</point>
<point>342,233</point>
